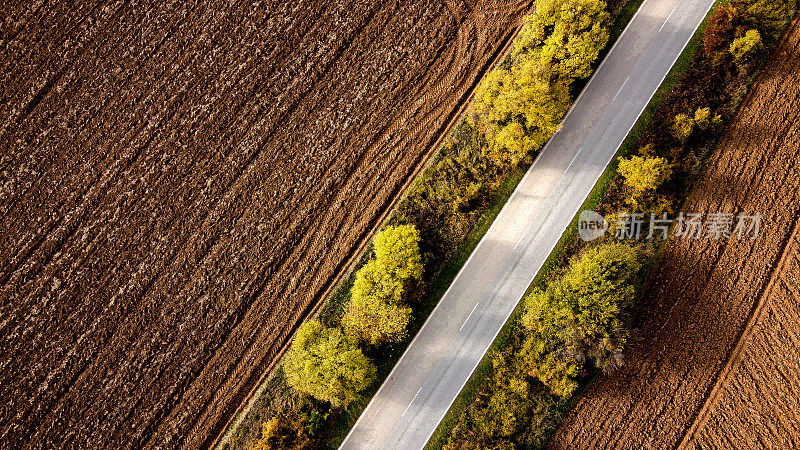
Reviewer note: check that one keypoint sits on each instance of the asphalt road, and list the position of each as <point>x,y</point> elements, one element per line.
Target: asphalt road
<point>412,401</point>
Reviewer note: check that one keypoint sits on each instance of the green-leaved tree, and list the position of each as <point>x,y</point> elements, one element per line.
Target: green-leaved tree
<point>397,251</point>
<point>581,316</point>
<point>327,365</point>
<point>643,176</point>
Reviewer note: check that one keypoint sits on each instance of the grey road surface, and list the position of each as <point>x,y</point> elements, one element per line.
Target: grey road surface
<point>412,401</point>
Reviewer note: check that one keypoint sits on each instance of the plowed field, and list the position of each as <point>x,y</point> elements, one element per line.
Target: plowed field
<point>718,363</point>
<point>181,181</point>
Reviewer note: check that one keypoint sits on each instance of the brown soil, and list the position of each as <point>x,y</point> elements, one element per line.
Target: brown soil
<point>718,364</point>
<point>180,184</point>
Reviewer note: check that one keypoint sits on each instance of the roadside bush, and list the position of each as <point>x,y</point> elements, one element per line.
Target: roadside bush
<point>767,15</point>
<point>375,314</point>
<point>703,119</point>
<point>765,18</point>
<point>327,365</point>
<point>744,47</point>
<point>509,404</point>
<point>554,368</point>
<point>719,32</point>
<point>505,409</point>
<point>397,252</point>
<point>520,106</point>
<point>284,431</point>
<point>684,125</point>
<point>643,176</point>
<point>581,316</point>
<point>510,145</point>
<point>375,280</point>
<point>375,321</point>
<point>291,429</point>
<point>447,200</point>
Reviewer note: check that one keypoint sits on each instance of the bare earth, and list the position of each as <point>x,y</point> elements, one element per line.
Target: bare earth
<point>180,183</point>
<point>718,365</point>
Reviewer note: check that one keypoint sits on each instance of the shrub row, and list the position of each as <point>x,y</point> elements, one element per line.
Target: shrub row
<point>579,321</point>
<point>328,364</point>
<point>515,110</point>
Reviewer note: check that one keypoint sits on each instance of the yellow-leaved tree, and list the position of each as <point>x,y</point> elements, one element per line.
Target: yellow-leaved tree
<point>643,176</point>
<point>376,314</point>
<point>520,104</point>
<point>327,364</point>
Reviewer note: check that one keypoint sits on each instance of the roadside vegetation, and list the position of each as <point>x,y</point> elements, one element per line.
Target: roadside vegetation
<point>376,314</point>
<point>516,108</point>
<point>335,363</point>
<point>571,326</point>
<point>577,317</point>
